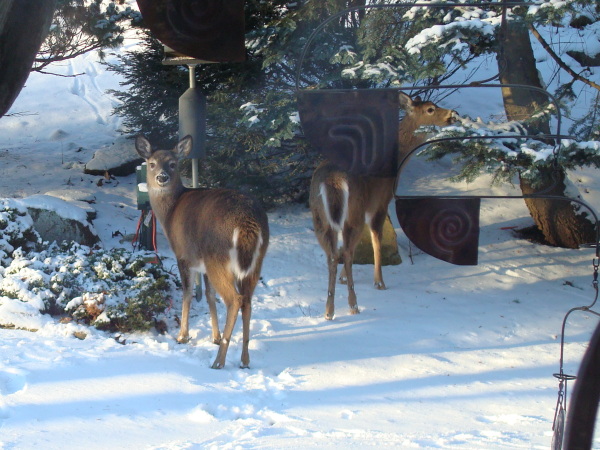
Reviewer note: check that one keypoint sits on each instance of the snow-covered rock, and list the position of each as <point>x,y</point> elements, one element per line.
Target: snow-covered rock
<point>58,220</point>
<point>118,159</point>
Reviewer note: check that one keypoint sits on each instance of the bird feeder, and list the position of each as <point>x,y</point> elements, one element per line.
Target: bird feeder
<point>193,33</point>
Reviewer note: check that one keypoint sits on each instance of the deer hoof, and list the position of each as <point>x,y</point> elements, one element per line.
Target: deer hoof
<point>343,280</point>
<point>328,316</point>
<point>354,310</point>
<point>183,339</point>
<point>216,365</point>
<point>380,285</point>
<point>217,341</point>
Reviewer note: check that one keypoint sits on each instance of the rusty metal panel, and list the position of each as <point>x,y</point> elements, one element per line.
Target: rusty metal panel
<point>208,30</point>
<point>447,229</point>
<point>355,129</point>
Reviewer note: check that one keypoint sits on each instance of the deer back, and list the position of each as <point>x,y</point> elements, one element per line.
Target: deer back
<point>205,228</point>
<point>213,227</point>
<point>342,197</point>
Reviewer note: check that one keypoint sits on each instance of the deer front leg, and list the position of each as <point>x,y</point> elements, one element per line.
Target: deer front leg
<point>376,234</point>
<point>211,299</point>
<point>187,284</point>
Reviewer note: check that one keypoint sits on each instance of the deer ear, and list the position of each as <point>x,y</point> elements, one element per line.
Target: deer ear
<point>143,147</point>
<point>184,147</point>
<point>405,101</point>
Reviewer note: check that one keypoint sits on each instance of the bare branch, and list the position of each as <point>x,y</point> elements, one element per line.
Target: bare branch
<point>559,61</point>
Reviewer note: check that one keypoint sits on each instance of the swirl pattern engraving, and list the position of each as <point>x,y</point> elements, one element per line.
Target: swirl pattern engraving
<point>208,30</point>
<point>357,130</point>
<point>447,229</point>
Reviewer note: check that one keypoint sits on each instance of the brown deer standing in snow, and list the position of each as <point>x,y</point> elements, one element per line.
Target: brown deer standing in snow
<point>220,233</point>
<point>341,203</point>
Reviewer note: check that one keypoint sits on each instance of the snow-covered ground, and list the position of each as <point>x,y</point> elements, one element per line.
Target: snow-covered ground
<point>446,357</point>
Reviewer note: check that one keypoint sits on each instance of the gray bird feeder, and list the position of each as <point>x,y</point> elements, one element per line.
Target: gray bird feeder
<point>196,32</point>
<point>192,109</point>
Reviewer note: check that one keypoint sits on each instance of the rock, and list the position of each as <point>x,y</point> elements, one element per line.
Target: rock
<point>389,247</point>
<point>119,159</point>
<point>58,220</point>
<point>78,197</point>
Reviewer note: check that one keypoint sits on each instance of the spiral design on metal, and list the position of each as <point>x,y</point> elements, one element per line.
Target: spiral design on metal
<point>450,228</point>
<point>447,229</point>
<point>208,30</point>
<point>358,131</point>
<point>195,18</point>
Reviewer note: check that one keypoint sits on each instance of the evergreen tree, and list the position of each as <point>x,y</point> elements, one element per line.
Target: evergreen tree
<point>469,31</point>
<point>81,26</point>
<point>253,140</point>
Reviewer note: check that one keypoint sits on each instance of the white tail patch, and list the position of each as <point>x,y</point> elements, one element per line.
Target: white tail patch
<point>370,198</point>
<point>234,263</point>
<point>337,226</point>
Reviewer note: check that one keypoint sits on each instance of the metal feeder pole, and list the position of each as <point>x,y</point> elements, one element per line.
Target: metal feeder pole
<point>195,182</point>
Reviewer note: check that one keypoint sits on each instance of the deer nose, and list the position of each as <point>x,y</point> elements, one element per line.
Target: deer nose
<point>162,178</point>
<point>453,117</point>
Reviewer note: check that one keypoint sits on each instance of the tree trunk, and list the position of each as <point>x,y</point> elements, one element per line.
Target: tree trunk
<point>23,26</point>
<point>559,221</point>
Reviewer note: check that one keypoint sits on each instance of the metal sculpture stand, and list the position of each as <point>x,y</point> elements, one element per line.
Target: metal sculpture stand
<point>357,130</point>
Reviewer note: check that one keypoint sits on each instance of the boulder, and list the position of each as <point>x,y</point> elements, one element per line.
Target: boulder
<point>58,220</point>
<point>78,197</point>
<point>390,256</point>
<point>119,159</point>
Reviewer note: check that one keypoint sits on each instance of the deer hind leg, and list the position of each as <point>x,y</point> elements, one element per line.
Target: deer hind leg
<point>376,227</point>
<point>332,263</point>
<point>225,286</point>
<point>351,238</point>
<point>248,286</point>
<point>328,240</point>
<point>187,282</point>
<point>211,299</point>
<point>343,279</point>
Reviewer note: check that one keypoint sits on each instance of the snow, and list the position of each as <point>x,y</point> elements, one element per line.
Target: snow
<point>446,357</point>
<point>61,207</point>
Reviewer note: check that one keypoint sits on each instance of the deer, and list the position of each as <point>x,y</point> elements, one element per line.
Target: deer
<point>219,233</point>
<point>341,203</point>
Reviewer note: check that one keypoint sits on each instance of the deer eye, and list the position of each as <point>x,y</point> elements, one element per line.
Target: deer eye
<point>172,165</point>
<point>152,165</point>
<point>430,110</point>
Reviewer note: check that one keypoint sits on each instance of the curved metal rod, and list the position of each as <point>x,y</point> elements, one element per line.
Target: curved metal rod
<point>552,99</point>
<point>503,4</point>
<point>538,195</point>
<point>562,339</point>
<point>474,138</point>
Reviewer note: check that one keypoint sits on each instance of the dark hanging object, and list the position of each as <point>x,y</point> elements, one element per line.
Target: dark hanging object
<point>585,398</point>
<point>447,229</point>
<point>24,25</point>
<point>208,30</point>
<point>355,129</point>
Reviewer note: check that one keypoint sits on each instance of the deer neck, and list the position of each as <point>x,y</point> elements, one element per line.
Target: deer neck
<point>164,200</point>
<point>408,139</point>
